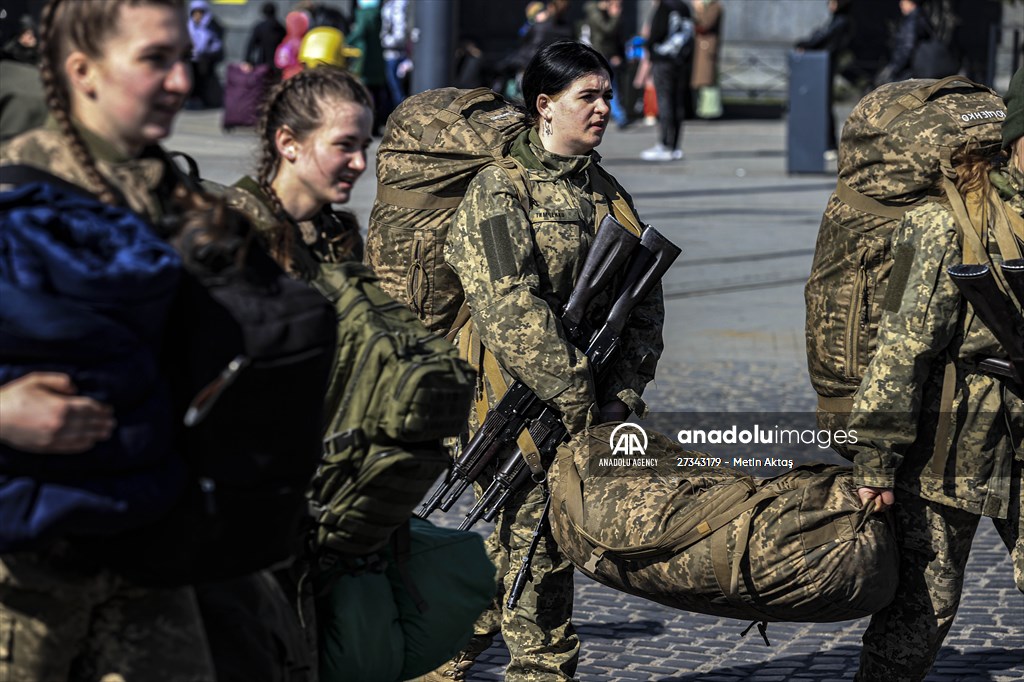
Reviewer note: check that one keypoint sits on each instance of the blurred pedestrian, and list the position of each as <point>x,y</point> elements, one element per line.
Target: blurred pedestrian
<point>286,56</point>
<point>670,47</point>
<point>834,37</point>
<point>207,51</point>
<point>603,28</point>
<point>394,38</point>
<point>265,37</point>
<point>707,17</point>
<point>115,73</point>
<point>913,29</point>
<point>370,67</point>
<point>23,47</point>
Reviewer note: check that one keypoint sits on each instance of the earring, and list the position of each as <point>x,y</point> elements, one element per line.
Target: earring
<point>545,127</point>
<point>289,153</point>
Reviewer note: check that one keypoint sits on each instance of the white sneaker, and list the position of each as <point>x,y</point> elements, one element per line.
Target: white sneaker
<point>656,153</point>
<point>677,155</point>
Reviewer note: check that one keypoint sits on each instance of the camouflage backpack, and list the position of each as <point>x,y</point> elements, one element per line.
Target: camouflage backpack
<point>797,547</point>
<point>434,144</point>
<point>395,392</point>
<point>894,156</point>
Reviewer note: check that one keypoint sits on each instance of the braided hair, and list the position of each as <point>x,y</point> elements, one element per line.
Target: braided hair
<point>298,104</point>
<point>69,25</point>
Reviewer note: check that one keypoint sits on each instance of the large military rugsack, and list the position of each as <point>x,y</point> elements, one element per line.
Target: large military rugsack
<point>894,156</point>
<point>434,144</point>
<point>796,547</point>
<point>395,392</point>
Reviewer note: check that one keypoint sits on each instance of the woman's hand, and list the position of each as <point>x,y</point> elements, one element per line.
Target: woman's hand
<point>40,412</point>
<point>883,497</point>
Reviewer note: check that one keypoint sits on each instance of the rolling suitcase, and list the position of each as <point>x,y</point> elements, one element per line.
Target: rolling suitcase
<point>244,92</point>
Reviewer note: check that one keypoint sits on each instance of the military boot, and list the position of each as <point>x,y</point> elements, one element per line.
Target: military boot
<point>456,669</point>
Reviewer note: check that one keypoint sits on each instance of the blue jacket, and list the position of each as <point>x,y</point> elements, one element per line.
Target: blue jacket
<point>85,290</point>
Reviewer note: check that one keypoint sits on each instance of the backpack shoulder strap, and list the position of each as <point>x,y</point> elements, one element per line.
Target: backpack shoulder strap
<point>866,204</point>
<point>603,185</point>
<point>21,174</point>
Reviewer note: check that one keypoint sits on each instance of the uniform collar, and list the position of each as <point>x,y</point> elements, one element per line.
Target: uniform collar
<point>529,151</point>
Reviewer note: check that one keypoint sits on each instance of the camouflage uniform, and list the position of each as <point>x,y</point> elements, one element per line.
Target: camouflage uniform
<point>939,500</point>
<point>330,237</point>
<point>518,260</point>
<point>62,618</point>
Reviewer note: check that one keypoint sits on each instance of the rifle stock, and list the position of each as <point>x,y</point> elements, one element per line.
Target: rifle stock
<point>613,244</point>
<point>978,285</point>
<point>1013,273</point>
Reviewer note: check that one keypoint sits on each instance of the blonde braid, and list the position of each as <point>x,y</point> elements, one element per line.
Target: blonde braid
<point>58,103</point>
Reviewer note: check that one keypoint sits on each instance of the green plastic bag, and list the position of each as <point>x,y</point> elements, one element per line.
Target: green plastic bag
<point>709,102</point>
<point>371,629</point>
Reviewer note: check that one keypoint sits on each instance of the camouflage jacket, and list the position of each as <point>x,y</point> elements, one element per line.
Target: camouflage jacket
<point>146,183</point>
<point>896,410</point>
<point>330,237</point>
<point>518,265</point>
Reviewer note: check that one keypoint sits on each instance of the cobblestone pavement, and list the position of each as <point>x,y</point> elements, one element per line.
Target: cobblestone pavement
<point>734,335</point>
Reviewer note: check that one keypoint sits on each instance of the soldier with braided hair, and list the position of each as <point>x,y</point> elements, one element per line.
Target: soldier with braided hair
<point>115,75</point>
<point>314,133</point>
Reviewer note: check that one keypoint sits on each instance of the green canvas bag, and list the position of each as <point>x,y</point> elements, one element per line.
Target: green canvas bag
<point>894,156</point>
<point>796,547</point>
<point>395,392</point>
<point>407,615</point>
<point>433,146</point>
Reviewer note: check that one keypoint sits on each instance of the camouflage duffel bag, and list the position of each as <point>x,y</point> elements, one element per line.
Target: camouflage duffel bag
<point>796,547</point>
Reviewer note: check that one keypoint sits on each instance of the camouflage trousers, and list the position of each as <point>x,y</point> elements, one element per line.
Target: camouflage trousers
<point>60,622</point>
<point>539,633</point>
<point>903,639</point>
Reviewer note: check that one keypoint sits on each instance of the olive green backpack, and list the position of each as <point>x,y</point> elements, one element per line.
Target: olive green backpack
<point>894,156</point>
<point>797,547</point>
<point>395,392</point>
<point>434,144</point>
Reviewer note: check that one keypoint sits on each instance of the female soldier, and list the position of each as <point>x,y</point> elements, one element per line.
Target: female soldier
<point>518,260</point>
<point>313,135</point>
<point>941,493</point>
<point>115,75</point>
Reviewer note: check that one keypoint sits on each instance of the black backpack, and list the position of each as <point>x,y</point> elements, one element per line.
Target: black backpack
<point>248,352</point>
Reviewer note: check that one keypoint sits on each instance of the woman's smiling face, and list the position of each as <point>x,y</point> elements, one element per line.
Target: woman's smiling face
<point>331,158</point>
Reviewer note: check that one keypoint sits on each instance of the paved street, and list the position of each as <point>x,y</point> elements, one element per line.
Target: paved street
<point>734,335</point>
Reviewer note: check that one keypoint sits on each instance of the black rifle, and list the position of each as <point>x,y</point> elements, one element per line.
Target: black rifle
<point>612,247</point>
<point>652,260</point>
<point>978,285</point>
<point>1013,273</point>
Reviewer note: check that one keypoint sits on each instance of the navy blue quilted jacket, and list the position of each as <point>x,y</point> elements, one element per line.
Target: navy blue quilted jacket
<point>85,289</point>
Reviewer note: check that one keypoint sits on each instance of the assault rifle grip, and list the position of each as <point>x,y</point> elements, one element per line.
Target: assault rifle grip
<point>612,247</point>
<point>978,285</point>
<point>1013,273</point>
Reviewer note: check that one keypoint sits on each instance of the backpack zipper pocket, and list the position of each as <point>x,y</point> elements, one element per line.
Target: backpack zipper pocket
<point>856,318</point>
